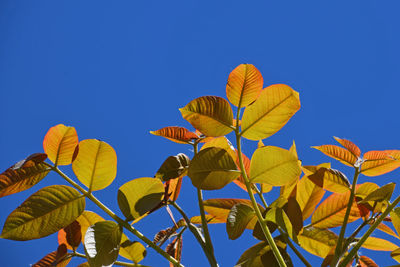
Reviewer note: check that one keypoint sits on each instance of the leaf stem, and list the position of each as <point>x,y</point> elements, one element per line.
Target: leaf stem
<point>295,250</point>
<point>119,220</point>
<point>260,218</point>
<point>360,242</point>
<point>339,244</point>
<point>120,263</point>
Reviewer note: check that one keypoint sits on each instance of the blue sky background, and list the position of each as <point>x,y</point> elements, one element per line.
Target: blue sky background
<point>117,69</point>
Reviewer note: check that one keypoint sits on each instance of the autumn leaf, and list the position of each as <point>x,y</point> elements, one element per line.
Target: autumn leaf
<point>59,144</point>
<point>176,134</point>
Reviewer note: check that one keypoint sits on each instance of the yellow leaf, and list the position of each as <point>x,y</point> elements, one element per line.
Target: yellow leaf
<point>59,144</point>
<point>221,142</point>
<point>396,255</point>
<point>132,250</point>
<point>338,153</point>
<point>96,164</point>
<point>380,244</point>
<point>273,165</point>
<point>318,242</point>
<point>380,162</point>
<point>176,134</point>
<point>86,219</point>
<point>273,108</point>
<point>308,196</point>
<point>244,85</point>
<point>330,179</point>
<point>211,115</point>
<point>386,229</point>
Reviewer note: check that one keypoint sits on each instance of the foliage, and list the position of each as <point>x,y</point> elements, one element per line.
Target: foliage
<point>61,208</point>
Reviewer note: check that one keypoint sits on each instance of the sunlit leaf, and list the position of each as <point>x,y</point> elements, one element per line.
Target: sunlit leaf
<point>381,194</point>
<point>331,180</point>
<point>23,175</point>
<point>139,196</point>
<point>365,189</point>
<point>396,254</point>
<point>350,146</point>
<point>308,196</point>
<point>279,217</point>
<point>173,188</point>
<point>43,213</point>
<point>238,218</point>
<point>380,162</point>
<point>212,168</point>
<point>211,115</point>
<point>240,180</point>
<point>102,242</point>
<point>59,144</point>
<point>339,153</point>
<point>244,85</point>
<point>395,216</point>
<point>375,243</point>
<point>173,167</point>
<point>273,165</point>
<point>96,164</point>
<point>364,261</point>
<point>273,108</point>
<point>224,143</point>
<point>209,218</point>
<point>176,134</point>
<point>386,229</point>
<point>70,235</point>
<point>132,250</point>
<point>330,213</point>
<point>261,255</point>
<point>219,208</point>
<point>58,258</point>
<point>318,242</point>
<point>86,219</point>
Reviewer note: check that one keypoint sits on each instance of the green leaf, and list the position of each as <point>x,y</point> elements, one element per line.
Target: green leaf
<point>258,232</point>
<point>139,196</point>
<point>381,194</point>
<point>173,167</point>
<point>86,219</point>
<point>132,250</point>
<point>317,241</point>
<point>102,242</point>
<point>279,217</point>
<point>43,213</point>
<point>238,218</point>
<point>211,115</point>
<point>212,168</point>
<point>23,175</point>
<point>273,108</point>
<point>395,216</point>
<point>273,165</point>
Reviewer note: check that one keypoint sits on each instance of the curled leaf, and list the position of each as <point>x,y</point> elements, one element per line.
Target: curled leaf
<point>173,167</point>
<point>176,134</point>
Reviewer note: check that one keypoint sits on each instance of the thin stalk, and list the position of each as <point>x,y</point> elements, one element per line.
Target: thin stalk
<point>204,224</point>
<point>120,263</point>
<point>339,245</point>
<point>197,234</point>
<point>298,254</point>
<point>261,197</point>
<point>120,221</point>
<point>360,242</point>
<point>260,218</point>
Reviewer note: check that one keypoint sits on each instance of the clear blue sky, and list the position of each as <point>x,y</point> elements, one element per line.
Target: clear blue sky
<point>117,69</point>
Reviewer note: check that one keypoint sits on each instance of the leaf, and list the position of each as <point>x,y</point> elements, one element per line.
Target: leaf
<point>139,196</point>
<point>43,213</point>
<point>381,194</point>
<point>173,188</point>
<point>261,255</point>
<point>338,153</point>
<point>380,244</point>
<point>308,196</point>
<point>279,217</point>
<point>59,144</point>
<point>86,219</point>
<point>395,216</point>
<point>70,235</point>
<point>350,146</point>
<point>132,250</point>
<point>23,175</point>
<point>238,218</point>
<point>173,167</point>
<point>212,168</point>
<point>244,85</point>
<point>58,258</point>
<point>211,115</point>
<point>364,261</point>
<point>273,165</point>
<point>386,229</point>
<point>294,213</point>
<point>330,213</point>
<point>175,249</point>
<point>96,164</point>
<point>102,243</point>
<point>396,254</point>
<point>209,218</point>
<point>219,208</point>
<point>273,108</point>
<point>331,180</point>
<point>380,162</point>
<point>318,242</point>
<point>176,134</point>
<point>224,143</point>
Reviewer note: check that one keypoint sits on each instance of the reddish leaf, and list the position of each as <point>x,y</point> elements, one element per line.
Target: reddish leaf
<point>173,188</point>
<point>380,162</point>
<point>175,249</point>
<point>338,153</point>
<point>364,261</point>
<point>56,258</point>
<point>71,235</point>
<point>176,134</point>
<point>350,146</point>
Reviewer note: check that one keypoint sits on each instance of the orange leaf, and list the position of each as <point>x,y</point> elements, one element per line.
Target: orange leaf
<point>176,134</point>
<point>364,261</point>
<point>350,146</point>
<point>338,153</point>
<point>173,188</point>
<point>58,258</point>
<point>59,144</point>
<point>244,85</point>
<point>71,235</point>
<point>380,162</point>
<point>240,180</point>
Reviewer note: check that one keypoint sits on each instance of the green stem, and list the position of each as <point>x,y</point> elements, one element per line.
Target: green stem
<point>339,245</point>
<point>260,218</point>
<point>204,224</point>
<point>354,250</point>
<point>261,196</point>
<point>120,221</point>
<point>298,254</point>
<point>120,263</point>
